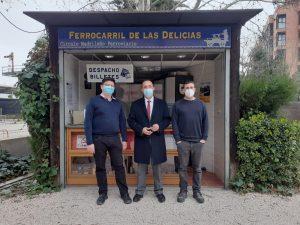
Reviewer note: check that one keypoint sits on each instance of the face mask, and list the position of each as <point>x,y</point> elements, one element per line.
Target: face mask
<point>148,92</point>
<point>108,89</point>
<point>189,93</point>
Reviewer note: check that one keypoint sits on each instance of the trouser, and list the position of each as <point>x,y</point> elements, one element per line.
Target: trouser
<point>142,175</point>
<point>185,150</point>
<point>112,145</point>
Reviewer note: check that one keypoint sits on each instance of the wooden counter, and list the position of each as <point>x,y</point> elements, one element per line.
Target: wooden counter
<point>81,166</point>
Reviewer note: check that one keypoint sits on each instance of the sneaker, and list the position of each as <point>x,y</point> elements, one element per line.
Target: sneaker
<point>182,195</point>
<point>161,198</point>
<point>198,196</point>
<point>137,197</point>
<point>101,199</point>
<point>126,199</point>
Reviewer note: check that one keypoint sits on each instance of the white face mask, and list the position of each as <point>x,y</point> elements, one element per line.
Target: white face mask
<point>189,93</point>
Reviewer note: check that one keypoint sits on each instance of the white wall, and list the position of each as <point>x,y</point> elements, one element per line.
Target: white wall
<point>219,118</point>
<point>71,85</point>
<point>84,94</point>
<point>205,72</point>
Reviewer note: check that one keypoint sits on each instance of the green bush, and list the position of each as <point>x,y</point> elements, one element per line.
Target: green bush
<point>268,155</point>
<point>34,95</point>
<point>265,93</point>
<point>11,167</point>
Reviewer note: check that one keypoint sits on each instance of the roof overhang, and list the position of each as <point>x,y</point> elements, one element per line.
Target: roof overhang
<point>150,18</point>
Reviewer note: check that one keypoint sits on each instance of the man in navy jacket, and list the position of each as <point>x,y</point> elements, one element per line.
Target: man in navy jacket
<point>104,119</point>
<point>148,117</point>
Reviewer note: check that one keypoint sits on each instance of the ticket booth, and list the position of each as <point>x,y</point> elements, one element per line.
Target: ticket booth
<point>165,47</point>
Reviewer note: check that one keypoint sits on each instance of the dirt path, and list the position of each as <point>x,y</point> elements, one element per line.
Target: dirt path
<point>76,205</point>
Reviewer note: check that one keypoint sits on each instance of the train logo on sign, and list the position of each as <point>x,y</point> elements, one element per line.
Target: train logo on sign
<point>125,73</point>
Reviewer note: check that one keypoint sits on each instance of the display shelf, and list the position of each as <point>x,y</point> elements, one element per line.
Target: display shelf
<point>81,165</point>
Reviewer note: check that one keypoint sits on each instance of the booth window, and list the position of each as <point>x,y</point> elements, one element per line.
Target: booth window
<point>281,37</point>
<point>281,21</point>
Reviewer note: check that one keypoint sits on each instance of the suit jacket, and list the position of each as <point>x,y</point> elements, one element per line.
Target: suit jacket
<point>153,146</point>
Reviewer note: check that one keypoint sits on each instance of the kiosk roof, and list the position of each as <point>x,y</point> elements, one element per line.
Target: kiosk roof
<point>150,18</point>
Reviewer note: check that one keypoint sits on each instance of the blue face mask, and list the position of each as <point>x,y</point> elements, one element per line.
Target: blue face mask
<point>108,89</point>
<point>148,92</point>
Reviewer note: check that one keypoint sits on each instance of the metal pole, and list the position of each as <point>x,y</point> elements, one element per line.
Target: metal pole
<point>12,63</point>
<point>227,119</point>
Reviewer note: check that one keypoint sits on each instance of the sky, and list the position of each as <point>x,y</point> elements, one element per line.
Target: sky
<point>20,43</point>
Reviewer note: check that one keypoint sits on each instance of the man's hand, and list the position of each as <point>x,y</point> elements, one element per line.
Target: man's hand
<point>91,148</point>
<point>147,131</point>
<point>202,141</point>
<point>124,145</point>
<point>155,127</point>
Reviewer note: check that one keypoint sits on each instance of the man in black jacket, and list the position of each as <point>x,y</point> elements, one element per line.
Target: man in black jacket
<point>190,130</point>
<point>148,117</point>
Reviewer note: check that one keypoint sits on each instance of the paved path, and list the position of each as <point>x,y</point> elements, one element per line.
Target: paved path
<point>76,205</point>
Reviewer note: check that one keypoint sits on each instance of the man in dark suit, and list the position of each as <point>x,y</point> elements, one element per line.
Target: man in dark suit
<point>148,117</point>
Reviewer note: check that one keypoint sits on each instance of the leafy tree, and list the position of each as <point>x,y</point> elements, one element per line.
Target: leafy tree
<point>266,93</point>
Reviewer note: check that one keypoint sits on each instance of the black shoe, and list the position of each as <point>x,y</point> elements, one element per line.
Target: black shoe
<point>137,197</point>
<point>101,199</point>
<point>182,195</point>
<point>126,199</point>
<point>198,196</point>
<point>161,198</point>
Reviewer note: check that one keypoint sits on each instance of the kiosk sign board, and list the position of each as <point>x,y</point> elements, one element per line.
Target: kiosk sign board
<point>122,73</point>
<point>187,37</point>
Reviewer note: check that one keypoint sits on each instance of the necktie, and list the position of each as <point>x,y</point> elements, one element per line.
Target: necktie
<point>148,109</point>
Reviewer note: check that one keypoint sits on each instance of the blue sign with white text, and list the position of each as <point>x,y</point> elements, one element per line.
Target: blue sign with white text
<point>189,37</point>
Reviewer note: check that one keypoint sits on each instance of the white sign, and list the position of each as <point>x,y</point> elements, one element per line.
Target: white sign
<point>122,73</point>
<point>81,141</point>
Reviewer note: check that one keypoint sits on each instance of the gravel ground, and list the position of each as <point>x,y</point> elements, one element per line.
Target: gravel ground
<point>76,205</point>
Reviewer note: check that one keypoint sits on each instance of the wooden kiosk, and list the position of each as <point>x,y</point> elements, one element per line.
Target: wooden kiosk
<point>204,44</point>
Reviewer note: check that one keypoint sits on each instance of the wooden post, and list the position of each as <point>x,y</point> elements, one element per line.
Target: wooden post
<point>234,94</point>
<point>54,91</point>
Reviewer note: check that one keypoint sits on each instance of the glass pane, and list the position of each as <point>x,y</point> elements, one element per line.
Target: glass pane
<point>170,166</point>
<point>82,166</point>
<point>130,165</point>
<point>86,166</point>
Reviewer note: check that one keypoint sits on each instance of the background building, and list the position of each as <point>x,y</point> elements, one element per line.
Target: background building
<point>284,36</point>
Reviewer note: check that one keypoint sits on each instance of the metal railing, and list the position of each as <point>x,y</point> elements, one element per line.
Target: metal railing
<point>12,72</point>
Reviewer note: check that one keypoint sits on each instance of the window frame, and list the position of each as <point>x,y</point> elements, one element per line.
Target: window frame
<point>278,22</point>
<point>281,34</point>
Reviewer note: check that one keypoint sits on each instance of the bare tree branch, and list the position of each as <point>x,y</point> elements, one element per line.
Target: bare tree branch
<point>205,3</point>
<point>197,4</point>
<point>88,4</point>
<point>179,4</point>
<point>266,1</point>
